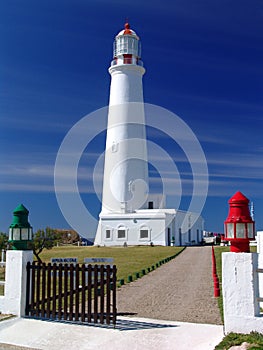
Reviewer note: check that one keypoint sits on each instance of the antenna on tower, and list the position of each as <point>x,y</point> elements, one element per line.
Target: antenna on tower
<point>252,212</point>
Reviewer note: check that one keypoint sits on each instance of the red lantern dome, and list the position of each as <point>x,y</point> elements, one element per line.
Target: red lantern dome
<point>239,226</point>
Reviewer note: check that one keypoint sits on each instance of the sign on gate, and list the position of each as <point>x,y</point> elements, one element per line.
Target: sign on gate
<point>98,260</point>
<point>64,260</point>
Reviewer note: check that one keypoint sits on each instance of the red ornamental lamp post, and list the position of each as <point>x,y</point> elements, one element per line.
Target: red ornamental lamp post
<point>239,226</point>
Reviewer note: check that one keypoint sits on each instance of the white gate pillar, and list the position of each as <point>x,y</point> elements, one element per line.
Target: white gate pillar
<point>240,293</point>
<point>14,300</point>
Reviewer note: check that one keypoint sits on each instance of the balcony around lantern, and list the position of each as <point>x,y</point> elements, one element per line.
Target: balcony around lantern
<point>114,62</point>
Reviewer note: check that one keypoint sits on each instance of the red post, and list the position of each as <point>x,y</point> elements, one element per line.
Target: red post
<point>214,274</point>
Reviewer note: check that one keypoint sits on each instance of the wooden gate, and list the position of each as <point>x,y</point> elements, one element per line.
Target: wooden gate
<point>76,293</point>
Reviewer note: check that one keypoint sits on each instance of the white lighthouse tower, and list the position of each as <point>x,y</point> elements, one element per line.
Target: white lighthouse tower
<point>125,181</point>
<point>129,215</point>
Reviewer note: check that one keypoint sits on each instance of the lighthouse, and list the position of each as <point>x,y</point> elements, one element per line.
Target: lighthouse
<point>130,215</point>
<point>125,181</point>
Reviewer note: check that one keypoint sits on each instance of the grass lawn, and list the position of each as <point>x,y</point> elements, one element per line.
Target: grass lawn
<point>129,260</point>
<point>234,339</point>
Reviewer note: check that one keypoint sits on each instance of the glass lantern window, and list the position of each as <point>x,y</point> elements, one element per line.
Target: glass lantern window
<point>25,234</point>
<point>16,234</point>
<point>126,45</point>
<point>230,230</point>
<point>250,230</point>
<point>241,230</point>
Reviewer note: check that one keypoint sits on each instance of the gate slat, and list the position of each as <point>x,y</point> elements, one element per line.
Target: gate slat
<point>71,287</point>
<point>60,290</point>
<point>83,300</point>
<point>95,290</point>
<point>28,275</point>
<point>43,290</point>
<point>114,304</point>
<point>108,295</point>
<point>54,289</point>
<point>66,292</point>
<point>48,290</point>
<point>90,270</point>
<point>38,290</point>
<point>102,283</point>
<point>77,293</point>
<point>33,289</point>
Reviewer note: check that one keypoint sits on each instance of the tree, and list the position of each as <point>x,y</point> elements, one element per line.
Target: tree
<point>67,236</point>
<point>44,239</point>
<point>3,241</point>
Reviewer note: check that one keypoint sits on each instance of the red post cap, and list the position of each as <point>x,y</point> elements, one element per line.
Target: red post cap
<point>239,226</point>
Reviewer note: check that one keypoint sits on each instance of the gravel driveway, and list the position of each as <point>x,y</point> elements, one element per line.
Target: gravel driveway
<point>181,290</point>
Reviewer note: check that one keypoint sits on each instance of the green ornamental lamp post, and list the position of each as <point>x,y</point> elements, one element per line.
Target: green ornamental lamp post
<point>20,231</point>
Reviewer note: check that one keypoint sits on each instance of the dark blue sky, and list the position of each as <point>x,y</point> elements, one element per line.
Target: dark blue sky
<point>203,62</point>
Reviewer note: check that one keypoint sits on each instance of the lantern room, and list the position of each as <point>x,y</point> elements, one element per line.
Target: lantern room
<point>239,226</point>
<point>127,47</point>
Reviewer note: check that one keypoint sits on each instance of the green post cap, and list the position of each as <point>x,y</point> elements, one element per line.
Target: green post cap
<point>20,218</point>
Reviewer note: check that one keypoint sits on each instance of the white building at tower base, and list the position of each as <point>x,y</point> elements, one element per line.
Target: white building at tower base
<point>150,226</point>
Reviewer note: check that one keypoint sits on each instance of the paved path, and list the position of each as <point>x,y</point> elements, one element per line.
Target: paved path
<point>181,290</point>
<point>129,334</point>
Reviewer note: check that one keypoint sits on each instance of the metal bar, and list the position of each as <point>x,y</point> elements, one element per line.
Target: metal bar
<point>260,299</point>
<point>259,270</point>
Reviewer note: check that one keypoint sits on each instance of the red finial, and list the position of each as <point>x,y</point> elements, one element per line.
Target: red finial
<point>127,29</point>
